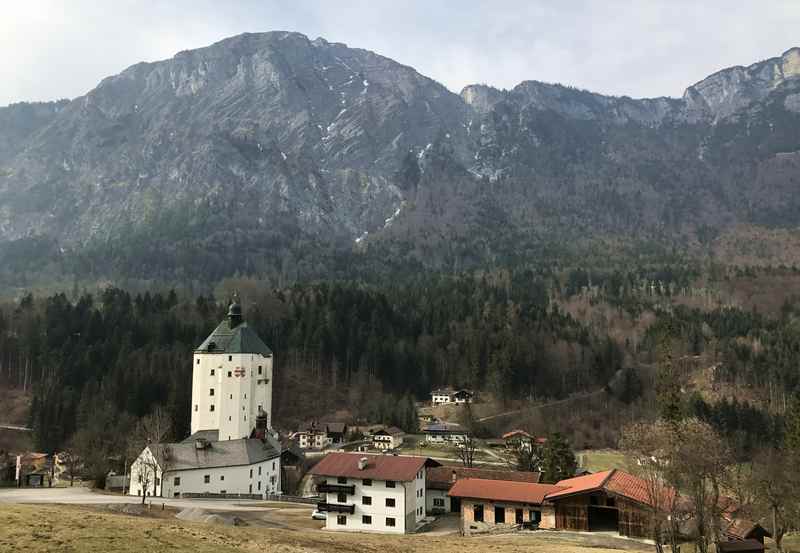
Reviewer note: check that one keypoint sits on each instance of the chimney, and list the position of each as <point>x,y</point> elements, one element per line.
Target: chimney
<point>362,463</point>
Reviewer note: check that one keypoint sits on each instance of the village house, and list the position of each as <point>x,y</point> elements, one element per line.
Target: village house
<point>231,450</point>
<point>311,439</point>
<point>517,439</point>
<point>445,433</point>
<point>446,396</point>
<point>440,480</point>
<point>372,493</point>
<point>321,436</point>
<point>488,505</point>
<point>442,396</point>
<point>202,467</point>
<point>460,397</point>
<point>387,439</point>
<point>336,432</point>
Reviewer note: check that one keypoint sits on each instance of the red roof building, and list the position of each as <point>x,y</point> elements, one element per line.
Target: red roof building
<point>399,468</point>
<point>528,493</point>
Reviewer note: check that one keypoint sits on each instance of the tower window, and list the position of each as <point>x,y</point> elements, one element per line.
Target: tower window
<point>230,358</point>
<point>198,361</point>
<point>245,396</point>
<point>211,392</point>
<point>211,408</point>
<point>212,372</point>
<point>259,367</point>
<point>195,407</point>
<point>230,374</point>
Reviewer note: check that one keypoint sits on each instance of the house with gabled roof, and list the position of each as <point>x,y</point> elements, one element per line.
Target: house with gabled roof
<point>489,505</point>
<point>440,480</point>
<point>372,493</point>
<point>608,501</point>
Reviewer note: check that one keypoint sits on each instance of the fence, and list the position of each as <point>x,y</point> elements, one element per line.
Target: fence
<point>293,499</point>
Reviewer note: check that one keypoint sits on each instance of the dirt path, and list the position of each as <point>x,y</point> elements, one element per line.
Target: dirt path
<point>542,406</point>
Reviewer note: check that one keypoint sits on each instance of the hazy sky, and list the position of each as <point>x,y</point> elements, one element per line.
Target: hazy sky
<point>62,48</point>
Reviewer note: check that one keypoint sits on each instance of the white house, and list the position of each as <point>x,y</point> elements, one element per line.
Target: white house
<point>389,438</point>
<point>372,493</point>
<point>442,396</point>
<point>312,439</point>
<point>198,466</point>
<point>230,450</point>
<point>445,433</point>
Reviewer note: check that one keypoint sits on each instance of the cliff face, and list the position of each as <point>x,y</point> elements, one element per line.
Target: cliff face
<point>278,143</point>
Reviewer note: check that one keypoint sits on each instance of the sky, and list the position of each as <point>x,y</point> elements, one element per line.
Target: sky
<point>641,48</point>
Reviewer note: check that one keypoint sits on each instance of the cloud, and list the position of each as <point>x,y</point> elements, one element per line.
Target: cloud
<point>54,49</point>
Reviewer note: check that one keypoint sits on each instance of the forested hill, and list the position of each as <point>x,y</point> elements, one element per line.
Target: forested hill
<point>97,364</point>
<point>278,156</point>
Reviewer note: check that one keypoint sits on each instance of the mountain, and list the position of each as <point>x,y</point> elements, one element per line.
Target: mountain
<point>272,152</point>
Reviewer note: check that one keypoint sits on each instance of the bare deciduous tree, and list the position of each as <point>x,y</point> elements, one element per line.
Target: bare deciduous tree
<point>775,485</point>
<point>151,463</point>
<point>652,447</point>
<point>466,451</point>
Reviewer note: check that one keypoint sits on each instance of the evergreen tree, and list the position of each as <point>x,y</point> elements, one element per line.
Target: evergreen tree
<point>558,459</point>
<point>792,432</point>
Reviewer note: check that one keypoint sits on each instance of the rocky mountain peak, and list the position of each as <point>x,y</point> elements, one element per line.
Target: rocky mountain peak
<point>732,89</point>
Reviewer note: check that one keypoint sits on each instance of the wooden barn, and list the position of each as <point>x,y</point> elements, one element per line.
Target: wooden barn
<point>608,501</point>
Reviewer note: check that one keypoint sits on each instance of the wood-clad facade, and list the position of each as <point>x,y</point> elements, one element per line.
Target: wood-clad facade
<point>601,511</point>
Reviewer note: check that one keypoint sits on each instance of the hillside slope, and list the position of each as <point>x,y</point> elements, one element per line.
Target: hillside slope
<point>272,150</point>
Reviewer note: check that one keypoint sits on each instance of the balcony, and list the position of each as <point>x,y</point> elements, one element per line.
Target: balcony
<point>336,488</point>
<point>336,508</point>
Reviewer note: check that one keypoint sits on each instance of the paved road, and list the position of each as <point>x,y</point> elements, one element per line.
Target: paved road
<point>84,496</point>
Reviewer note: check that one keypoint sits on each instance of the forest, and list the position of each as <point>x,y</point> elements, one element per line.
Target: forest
<point>97,362</point>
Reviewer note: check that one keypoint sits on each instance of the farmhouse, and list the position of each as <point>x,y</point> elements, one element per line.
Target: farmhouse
<point>445,396</point>
<point>445,433</point>
<point>372,493</point>
<point>494,504</point>
<point>389,438</point>
<point>608,501</point>
<point>440,480</point>
<point>231,450</point>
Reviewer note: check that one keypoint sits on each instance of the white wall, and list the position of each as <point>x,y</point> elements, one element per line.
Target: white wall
<point>431,494</point>
<point>236,479</point>
<point>377,510</point>
<point>236,398</point>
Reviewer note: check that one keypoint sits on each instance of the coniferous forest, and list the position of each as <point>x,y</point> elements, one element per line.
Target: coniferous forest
<point>98,361</point>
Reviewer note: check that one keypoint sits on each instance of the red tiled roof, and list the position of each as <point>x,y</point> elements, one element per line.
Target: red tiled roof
<point>581,484</point>
<point>502,490</point>
<point>742,529</point>
<point>401,468</point>
<point>615,481</point>
<point>513,433</point>
<point>441,478</point>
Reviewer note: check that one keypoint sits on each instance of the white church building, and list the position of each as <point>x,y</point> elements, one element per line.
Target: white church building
<point>231,450</point>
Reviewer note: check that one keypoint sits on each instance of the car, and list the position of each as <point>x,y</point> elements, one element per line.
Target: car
<point>319,515</point>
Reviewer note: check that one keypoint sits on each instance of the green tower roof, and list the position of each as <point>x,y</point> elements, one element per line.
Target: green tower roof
<point>234,336</point>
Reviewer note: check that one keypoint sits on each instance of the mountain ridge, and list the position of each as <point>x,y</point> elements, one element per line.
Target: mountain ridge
<point>290,146</point>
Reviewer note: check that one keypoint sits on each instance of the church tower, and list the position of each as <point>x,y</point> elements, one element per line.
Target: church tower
<point>232,380</point>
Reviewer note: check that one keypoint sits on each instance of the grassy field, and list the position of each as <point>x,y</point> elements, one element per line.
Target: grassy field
<point>70,529</point>
<point>602,459</point>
